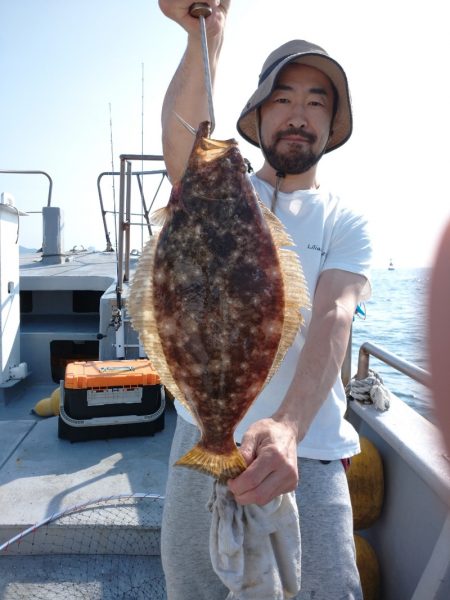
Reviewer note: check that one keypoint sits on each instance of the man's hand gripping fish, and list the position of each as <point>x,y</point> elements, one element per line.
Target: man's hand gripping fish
<point>216,299</point>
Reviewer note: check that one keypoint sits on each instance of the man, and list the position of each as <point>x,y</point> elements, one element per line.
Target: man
<point>439,332</point>
<point>295,435</point>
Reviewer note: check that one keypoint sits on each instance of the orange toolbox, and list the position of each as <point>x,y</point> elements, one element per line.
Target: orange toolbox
<point>112,398</point>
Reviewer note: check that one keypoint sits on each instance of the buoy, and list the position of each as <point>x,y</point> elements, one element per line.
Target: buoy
<point>49,407</point>
<point>366,485</point>
<point>368,567</point>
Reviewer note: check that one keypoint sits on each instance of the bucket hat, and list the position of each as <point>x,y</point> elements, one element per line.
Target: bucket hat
<point>302,52</point>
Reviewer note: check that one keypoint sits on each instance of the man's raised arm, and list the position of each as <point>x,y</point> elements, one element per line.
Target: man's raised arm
<point>186,95</point>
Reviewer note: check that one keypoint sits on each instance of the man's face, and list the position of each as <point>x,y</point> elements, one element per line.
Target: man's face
<point>295,120</point>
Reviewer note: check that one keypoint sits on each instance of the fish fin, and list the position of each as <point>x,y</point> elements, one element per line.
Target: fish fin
<point>220,466</point>
<point>279,234</point>
<point>159,216</point>
<point>139,305</point>
<point>296,294</point>
<point>186,124</point>
<point>296,297</point>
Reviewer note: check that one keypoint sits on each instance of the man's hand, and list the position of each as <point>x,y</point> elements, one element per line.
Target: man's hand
<point>178,11</point>
<point>270,450</point>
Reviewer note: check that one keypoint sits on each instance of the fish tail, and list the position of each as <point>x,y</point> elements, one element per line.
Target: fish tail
<point>220,466</point>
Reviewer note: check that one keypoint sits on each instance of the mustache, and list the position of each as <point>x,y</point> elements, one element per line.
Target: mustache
<point>309,137</point>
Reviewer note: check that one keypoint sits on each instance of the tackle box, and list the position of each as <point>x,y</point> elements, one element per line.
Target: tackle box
<point>107,399</point>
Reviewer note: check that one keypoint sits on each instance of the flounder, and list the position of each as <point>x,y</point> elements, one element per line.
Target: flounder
<point>216,299</point>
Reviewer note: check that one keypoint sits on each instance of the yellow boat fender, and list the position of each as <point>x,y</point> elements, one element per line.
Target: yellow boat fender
<point>49,407</point>
<point>368,567</point>
<point>366,485</point>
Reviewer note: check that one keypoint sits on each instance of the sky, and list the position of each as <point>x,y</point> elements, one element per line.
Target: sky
<point>82,81</point>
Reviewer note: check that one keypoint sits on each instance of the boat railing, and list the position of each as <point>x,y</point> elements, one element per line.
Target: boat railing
<point>124,238</point>
<point>123,215</point>
<point>407,368</point>
<point>27,172</point>
<point>126,174</point>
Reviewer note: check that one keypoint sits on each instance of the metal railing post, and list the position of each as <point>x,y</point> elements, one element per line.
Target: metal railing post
<point>127,224</point>
<point>121,215</point>
<point>20,172</point>
<point>368,349</point>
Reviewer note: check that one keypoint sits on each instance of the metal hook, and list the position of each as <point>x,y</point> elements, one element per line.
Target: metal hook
<point>201,11</point>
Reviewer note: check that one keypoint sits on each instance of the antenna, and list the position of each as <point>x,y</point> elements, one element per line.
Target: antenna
<point>113,176</point>
<point>142,146</point>
<point>142,116</point>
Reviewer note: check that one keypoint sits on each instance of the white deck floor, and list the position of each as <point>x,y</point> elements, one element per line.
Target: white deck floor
<point>41,474</point>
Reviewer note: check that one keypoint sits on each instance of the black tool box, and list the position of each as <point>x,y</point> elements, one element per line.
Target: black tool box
<point>108,399</point>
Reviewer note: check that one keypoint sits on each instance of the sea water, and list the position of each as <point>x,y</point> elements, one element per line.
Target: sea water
<point>396,320</point>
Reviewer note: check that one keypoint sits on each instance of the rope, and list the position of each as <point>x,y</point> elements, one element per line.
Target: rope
<point>370,390</point>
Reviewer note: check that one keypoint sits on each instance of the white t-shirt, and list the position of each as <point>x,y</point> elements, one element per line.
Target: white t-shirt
<point>326,236</point>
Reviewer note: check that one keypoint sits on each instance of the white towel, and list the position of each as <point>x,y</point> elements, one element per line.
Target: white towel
<point>255,550</point>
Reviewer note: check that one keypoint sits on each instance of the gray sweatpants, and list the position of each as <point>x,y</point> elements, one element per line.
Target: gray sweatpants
<point>328,554</point>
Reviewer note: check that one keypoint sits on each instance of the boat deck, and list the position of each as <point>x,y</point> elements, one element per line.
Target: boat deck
<point>83,269</point>
<point>41,475</point>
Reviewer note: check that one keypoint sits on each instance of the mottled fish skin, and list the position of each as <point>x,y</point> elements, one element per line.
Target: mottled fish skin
<point>218,297</point>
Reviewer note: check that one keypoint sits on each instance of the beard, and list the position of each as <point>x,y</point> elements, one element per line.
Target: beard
<point>298,159</point>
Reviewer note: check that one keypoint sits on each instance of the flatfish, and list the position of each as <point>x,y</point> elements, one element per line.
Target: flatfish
<point>216,299</point>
